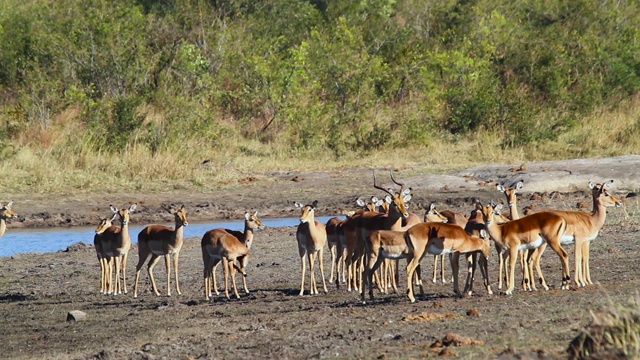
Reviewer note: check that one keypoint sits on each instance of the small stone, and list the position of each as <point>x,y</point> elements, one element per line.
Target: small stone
<point>76,315</point>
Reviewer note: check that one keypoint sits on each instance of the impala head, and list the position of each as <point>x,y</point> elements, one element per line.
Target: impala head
<point>601,194</point>
<point>510,192</point>
<point>180,215</point>
<point>105,223</point>
<point>253,222</point>
<point>395,201</point>
<point>6,212</point>
<point>432,215</point>
<point>491,213</point>
<point>123,214</point>
<point>307,211</point>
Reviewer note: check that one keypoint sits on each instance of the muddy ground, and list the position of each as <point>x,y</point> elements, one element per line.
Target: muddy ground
<point>38,290</point>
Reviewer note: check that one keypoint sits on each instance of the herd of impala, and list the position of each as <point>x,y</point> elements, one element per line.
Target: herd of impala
<point>368,243</point>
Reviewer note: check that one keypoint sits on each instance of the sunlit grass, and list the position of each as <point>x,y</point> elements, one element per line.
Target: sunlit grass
<point>54,160</point>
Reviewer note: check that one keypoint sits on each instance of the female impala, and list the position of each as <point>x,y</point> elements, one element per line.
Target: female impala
<point>6,213</point>
<point>528,233</point>
<point>512,200</point>
<point>438,239</point>
<point>312,236</point>
<point>160,240</point>
<point>582,228</point>
<point>102,256</point>
<point>228,245</point>
<point>116,243</point>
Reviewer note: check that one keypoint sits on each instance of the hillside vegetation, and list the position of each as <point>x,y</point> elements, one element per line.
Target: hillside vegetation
<point>149,95</point>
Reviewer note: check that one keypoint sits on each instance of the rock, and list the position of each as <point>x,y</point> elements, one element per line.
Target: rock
<point>76,315</point>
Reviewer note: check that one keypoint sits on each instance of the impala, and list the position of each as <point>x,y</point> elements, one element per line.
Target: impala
<point>364,223</point>
<point>438,239</point>
<point>527,233</point>
<point>333,228</point>
<point>160,240</point>
<point>511,194</point>
<point>102,256</point>
<point>116,242</point>
<point>228,245</point>
<point>582,228</point>
<point>311,236</point>
<point>6,213</point>
<point>450,217</point>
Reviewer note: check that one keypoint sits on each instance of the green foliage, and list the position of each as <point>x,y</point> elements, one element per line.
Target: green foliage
<point>348,75</point>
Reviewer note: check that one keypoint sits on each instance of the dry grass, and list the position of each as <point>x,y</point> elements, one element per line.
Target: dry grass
<point>52,160</point>
<point>614,333</point>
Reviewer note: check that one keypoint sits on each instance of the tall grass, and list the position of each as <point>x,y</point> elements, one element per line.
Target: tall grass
<point>62,159</point>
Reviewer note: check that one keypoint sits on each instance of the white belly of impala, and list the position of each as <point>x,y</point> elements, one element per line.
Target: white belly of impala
<point>392,253</point>
<point>435,250</point>
<point>532,245</point>
<point>567,239</point>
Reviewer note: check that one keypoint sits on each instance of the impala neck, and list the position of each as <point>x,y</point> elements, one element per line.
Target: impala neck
<point>394,219</point>
<point>495,231</point>
<point>248,235</point>
<point>3,226</point>
<point>599,211</point>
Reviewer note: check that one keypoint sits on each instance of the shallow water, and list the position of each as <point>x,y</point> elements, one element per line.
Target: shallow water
<point>54,239</point>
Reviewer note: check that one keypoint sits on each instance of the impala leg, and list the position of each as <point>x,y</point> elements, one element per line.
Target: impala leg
<point>225,272</point>
<point>411,267</point>
<point>213,275</point>
<point>110,275</point>
<point>577,276</point>
<point>513,258</point>
<point>586,273</point>
<point>332,252</point>
<point>243,270</point>
<point>152,263</point>
<point>312,272</point>
<point>454,271</point>
<point>118,287</point>
<point>232,272</point>
<point>125,256</point>
<point>501,269</point>
<point>321,264</point>
<point>468,285</point>
<point>370,270</point>
<point>484,269</point>
<point>537,256</point>
<point>206,275</point>
<point>418,278</point>
<point>167,264</point>
<point>564,258</point>
<point>175,269</point>
<point>435,268</point>
<point>303,255</point>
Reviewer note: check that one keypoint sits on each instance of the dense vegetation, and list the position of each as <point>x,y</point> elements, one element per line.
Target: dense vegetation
<point>165,81</point>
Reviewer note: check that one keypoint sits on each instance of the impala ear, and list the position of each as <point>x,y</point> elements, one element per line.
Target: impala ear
<point>388,199</point>
<point>133,207</point>
<point>247,216</point>
<point>11,201</point>
<point>500,188</point>
<point>255,213</point>
<point>406,198</point>
<point>374,199</point>
<point>519,185</point>
<point>298,205</point>
<point>592,184</point>
<point>314,204</point>
<point>432,206</point>
<point>406,191</point>
<point>114,217</point>
<point>360,203</point>
<point>498,207</point>
<point>483,233</point>
<point>113,208</point>
<point>605,185</point>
